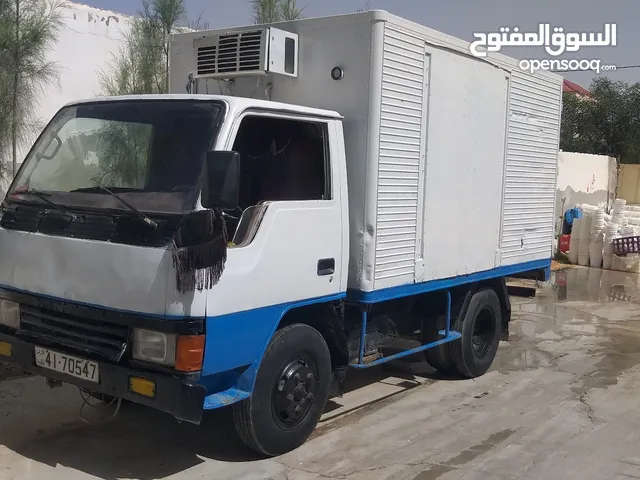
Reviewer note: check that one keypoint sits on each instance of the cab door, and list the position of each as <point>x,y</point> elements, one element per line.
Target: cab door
<point>289,245</point>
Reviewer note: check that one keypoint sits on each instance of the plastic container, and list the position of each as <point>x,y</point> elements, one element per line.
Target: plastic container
<point>585,229</point>
<point>583,259</point>
<point>626,245</point>
<point>595,255</point>
<point>611,231</point>
<point>629,263</point>
<point>607,249</point>
<point>584,247</point>
<point>573,242</point>
<point>573,256</point>
<point>616,262</point>
<point>576,229</point>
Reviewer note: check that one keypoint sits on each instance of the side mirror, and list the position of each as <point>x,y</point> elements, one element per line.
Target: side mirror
<point>221,185</point>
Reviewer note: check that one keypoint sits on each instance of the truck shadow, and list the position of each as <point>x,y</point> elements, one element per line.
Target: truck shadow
<point>139,443</point>
<point>146,444</point>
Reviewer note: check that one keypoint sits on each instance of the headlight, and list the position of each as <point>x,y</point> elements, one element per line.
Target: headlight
<point>156,347</point>
<point>10,314</point>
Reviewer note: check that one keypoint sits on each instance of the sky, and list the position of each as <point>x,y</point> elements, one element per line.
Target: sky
<point>463,18</point>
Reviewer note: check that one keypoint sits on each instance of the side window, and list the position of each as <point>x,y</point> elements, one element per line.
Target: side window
<point>282,160</point>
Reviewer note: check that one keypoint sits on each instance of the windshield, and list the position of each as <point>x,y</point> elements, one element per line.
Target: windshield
<point>149,152</point>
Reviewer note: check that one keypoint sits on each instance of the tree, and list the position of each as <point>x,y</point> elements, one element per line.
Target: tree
<point>270,11</point>
<point>28,30</point>
<point>6,41</point>
<point>607,123</point>
<point>142,64</point>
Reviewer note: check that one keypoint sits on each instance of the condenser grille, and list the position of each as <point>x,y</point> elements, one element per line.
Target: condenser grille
<point>236,52</point>
<point>207,60</point>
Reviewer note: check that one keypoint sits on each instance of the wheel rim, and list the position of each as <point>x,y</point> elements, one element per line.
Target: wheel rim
<point>484,330</point>
<point>294,392</point>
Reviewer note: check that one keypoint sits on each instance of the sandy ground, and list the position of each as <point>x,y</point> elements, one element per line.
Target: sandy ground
<point>560,403</point>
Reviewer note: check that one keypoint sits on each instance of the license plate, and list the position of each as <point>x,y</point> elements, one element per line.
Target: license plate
<point>63,363</point>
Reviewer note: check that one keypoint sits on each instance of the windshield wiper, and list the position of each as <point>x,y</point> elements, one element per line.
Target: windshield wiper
<point>138,213</point>
<point>43,196</point>
<point>102,189</point>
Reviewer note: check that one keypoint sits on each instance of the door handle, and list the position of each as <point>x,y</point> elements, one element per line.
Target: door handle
<point>326,266</point>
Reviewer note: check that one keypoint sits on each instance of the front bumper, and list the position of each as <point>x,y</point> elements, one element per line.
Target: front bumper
<point>176,396</point>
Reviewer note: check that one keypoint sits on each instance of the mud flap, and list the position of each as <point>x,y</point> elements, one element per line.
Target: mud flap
<point>333,332</point>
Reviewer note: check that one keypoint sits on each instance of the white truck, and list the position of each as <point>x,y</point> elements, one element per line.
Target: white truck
<point>307,192</point>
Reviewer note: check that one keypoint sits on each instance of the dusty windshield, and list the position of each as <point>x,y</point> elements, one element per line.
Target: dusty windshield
<point>149,152</point>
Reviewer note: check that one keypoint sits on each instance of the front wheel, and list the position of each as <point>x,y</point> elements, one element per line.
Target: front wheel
<point>290,393</point>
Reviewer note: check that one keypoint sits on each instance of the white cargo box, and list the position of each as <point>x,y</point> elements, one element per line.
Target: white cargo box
<point>451,158</point>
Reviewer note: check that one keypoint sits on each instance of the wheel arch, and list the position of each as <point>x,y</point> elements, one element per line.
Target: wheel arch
<point>328,319</point>
<point>461,295</point>
<point>321,313</point>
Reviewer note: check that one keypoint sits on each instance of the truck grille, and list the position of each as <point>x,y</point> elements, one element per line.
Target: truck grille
<point>94,338</point>
<point>231,53</point>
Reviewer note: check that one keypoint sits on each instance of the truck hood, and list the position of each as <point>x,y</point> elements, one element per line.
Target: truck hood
<point>102,274</point>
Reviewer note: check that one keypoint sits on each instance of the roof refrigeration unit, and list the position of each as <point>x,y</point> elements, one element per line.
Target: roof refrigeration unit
<point>260,51</point>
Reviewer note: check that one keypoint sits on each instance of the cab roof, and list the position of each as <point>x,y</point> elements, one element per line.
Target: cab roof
<point>235,103</point>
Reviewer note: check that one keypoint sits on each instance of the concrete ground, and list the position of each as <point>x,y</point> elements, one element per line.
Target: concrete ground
<point>560,403</point>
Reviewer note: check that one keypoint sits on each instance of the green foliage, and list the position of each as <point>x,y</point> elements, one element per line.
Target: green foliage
<point>271,11</point>
<point>142,64</point>
<point>140,67</point>
<point>28,30</point>
<point>123,151</point>
<point>608,123</point>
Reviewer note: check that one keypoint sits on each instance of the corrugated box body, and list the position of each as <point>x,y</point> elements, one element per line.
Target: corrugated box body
<point>451,159</point>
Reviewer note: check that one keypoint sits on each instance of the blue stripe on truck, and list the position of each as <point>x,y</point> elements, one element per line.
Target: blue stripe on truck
<point>433,285</point>
<point>234,347</point>
<point>253,329</point>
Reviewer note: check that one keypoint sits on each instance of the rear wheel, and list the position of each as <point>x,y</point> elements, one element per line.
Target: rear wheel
<point>438,357</point>
<point>472,355</point>
<point>290,393</point>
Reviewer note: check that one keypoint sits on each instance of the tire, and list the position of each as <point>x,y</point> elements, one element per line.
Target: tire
<point>481,330</point>
<point>438,357</point>
<point>268,421</point>
<point>103,398</point>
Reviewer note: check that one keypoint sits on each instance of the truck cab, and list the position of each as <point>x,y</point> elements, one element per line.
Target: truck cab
<point>89,290</point>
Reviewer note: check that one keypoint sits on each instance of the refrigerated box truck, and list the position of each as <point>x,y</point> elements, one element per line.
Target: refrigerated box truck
<point>307,192</point>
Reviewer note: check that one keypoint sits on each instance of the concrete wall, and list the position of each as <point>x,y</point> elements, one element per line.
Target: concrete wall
<point>86,44</point>
<point>629,183</point>
<point>584,178</point>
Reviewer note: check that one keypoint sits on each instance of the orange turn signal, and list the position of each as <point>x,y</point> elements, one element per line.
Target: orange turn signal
<point>190,353</point>
<point>142,386</point>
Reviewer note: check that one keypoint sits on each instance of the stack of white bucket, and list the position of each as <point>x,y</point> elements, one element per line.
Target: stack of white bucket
<point>618,211</point>
<point>612,230</point>
<point>574,241</point>
<point>592,236</point>
<point>632,215</point>
<point>597,238</point>
<point>583,229</point>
